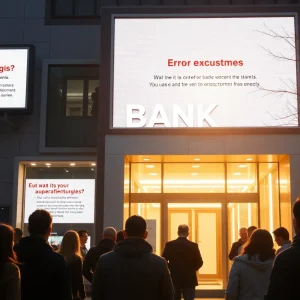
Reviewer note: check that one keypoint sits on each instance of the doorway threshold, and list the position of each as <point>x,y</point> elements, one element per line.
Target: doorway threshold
<point>210,293</point>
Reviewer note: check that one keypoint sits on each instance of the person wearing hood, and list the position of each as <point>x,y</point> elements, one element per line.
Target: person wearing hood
<point>285,277</point>
<point>131,270</point>
<point>44,273</point>
<point>250,274</point>
<point>105,245</point>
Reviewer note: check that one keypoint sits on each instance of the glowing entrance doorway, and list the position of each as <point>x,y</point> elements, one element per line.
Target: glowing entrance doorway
<point>204,220</point>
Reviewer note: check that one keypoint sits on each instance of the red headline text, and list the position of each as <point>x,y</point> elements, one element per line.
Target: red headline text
<point>205,63</point>
<point>6,68</point>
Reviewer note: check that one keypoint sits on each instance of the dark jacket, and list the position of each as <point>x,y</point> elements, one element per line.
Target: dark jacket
<point>285,277</point>
<point>132,271</point>
<point>75,268</point>
<point>89,264</point>
<point>44,273</point>
<point>184,261</point>
<point>10,282</point>
<point>235,249</point>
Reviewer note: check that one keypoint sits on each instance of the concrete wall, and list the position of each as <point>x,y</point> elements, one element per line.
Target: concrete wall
<point>22,21</point>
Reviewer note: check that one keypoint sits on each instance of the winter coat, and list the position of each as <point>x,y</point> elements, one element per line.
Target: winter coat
<point>184,261</point>
<point>249,278</point>
<point>75,268</point>
<point>90,262</point>
<point>10,285</point>
<point>132,271</point>
<point>235,249</point>
<point>285,278</point>
<point>44,273</point>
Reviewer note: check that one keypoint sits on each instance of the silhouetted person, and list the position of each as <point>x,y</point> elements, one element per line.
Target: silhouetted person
<point>95,98</point>
<point>10,288</point>
<point>120,236</point>
<point>105,245</point>
<point>282,238</point>
<point>285,278</point>
<point>18,234</point>
<point>184,260</point>
<point>83,236</point>
<point>235,246</point>
<point>249,232</point>
<point>250,272</point>
<point>44,273</point>
<point>70,250</point>
<point>131,271</point>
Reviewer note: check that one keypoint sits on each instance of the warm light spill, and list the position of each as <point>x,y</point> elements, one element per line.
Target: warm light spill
<point>232,225</point>
<point>72,164</point>
<point>243,166</point>
<point>196,159</point>
<point>238,216</point>
<point>48,164</point>
<point>249,159</point>
<point>93,164</point>
<point>192,205</point>
<point>195,166</point>
<point>270,202</point>
<point>249,215</point>
<point>146,159</point>
<point>150,166</point>
<point>152,174</point>
<point>33,164</point>
<point>237,173</point>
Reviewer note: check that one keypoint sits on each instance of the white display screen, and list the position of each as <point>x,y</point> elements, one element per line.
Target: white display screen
<point>13,78</point>
<point>68,200</point>
<point>204,72</point>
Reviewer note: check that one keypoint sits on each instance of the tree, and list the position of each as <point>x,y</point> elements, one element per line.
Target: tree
<point>290,93</point>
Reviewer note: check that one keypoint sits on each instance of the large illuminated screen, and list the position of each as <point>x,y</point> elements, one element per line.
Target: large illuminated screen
<point>204,72</point>
<point>13,77</point>
<point>68,200</point>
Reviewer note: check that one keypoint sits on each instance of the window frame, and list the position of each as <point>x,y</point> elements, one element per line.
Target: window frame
<point>43,148</point>
<point>85,100</point>
<point>51,19</point>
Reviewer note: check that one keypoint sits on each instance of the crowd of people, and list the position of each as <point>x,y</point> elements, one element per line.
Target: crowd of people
<point>123,266</point>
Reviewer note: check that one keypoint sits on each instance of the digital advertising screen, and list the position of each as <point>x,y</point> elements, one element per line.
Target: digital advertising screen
<point>14,77</point>
<point>196,72</point>
<point>68,200</point>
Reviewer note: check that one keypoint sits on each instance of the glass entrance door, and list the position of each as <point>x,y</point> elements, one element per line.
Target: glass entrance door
<point>204,220</point>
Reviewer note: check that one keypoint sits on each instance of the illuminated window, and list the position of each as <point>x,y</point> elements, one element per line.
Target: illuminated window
<point>194,178</point>
<point>241,178</point>
<point>269,196</point>
<point>145,178</point>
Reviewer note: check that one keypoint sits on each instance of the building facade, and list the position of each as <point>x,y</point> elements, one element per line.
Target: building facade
<point>217,182</point>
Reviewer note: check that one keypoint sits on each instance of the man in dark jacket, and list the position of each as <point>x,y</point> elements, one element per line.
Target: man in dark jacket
<point>235,246</point>
<point>184,261</point>
<point>285,277</point>
<point>131,270</point>
<point>44,272</point>
<point>105,245</point>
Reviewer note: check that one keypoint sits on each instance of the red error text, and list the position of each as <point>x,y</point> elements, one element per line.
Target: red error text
<point>205,63</point>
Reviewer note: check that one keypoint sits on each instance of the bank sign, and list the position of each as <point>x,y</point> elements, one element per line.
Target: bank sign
<point>204,72</point>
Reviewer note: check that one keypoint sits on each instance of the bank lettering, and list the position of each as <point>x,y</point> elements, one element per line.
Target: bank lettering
<point>136,116</point>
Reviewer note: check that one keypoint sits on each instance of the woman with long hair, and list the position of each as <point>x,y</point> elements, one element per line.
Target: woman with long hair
<point>70,249</point>
<point>250,273</point>
<point>9,271</point>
